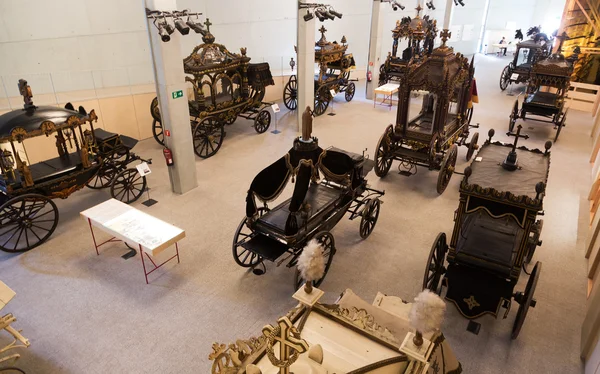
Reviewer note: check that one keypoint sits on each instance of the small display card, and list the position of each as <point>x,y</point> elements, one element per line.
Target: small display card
<point>514,76</point>
<point>275,108</point>
<point>478,159</point>
<point>333,93</point>
<point>143,169</point>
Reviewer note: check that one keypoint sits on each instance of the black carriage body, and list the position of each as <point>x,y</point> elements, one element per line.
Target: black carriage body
<point>528,52</point>
<point>495,228</point>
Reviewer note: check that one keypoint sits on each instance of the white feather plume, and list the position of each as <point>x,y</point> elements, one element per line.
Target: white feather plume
<point>427,312</point>
<point>311,262</point>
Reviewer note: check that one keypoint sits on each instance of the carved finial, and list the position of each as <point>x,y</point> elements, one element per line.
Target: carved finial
<point>243,50</point>
<point>323,40</point>
<point>208,38</point>
<point>322,30</point>
<point>445,35</point>
<point>291,345</point>
<point>344,40</point>
<point>208,24</point>
<point>419,9</point>
<point>25,91</point>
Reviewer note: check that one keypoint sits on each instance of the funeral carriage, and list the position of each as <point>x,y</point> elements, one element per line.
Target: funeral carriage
<point>85,156</point>
<point>335,66</point>
<point>281,233</point>
<point>546,92</point>
<point>226,86</point>
<point>419,33</point>
<point>350,336</point>
<point>496,233</point>
<point>432,118</point>
<point>527,54</point>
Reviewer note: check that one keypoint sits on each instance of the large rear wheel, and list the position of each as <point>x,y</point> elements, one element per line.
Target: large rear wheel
<point>505,78</point>
<point>447,169</point>
<point>472,146</point>
<point>242,256</point>
<point>157,132</point>
<point>383,156</point>
<point>290,94</point>
<point>561,124</point>
<point>435,269</point>
<point>526,300</point>
<point>322,97</point>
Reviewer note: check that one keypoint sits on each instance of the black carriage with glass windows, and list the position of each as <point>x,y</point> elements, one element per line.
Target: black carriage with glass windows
<point>527,54</point>
<point>226,86</point>
<point>420,34</point>
<point>335,66</point>
<point>280,234</point>
<point>432,118</point>
<point>496,232</point>
<point>546,91</point>
<point>85,156</point>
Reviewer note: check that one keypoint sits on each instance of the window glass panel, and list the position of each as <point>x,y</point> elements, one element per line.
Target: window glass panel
<point>421,111</point>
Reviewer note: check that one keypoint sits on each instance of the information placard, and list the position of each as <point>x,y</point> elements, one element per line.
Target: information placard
<point>143,169</point>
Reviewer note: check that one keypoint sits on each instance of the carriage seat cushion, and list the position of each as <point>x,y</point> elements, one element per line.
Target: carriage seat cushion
<point>103,136</point>
<point>488,242</point>
<point>542,98</point>
<point>319,197</point>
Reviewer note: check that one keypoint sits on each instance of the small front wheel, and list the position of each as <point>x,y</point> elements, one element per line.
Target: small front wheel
<point>262,121</point>
<point>208,137</point>
<point>369,218</point>
<point>447,169</point>
<point>128,186</point>
<point>350,90</point>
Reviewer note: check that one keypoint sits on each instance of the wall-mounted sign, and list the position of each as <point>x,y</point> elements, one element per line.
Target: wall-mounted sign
<point>177,94</point>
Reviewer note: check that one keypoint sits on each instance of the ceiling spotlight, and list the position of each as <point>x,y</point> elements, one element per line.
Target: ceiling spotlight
<point>181,27</point>
<point>328,15</point>
<point>337,14</point>
<point>320,15</point>
<point>396,5</point>
<point>308,16</point>
<point>430,5</point>
<point>196,27</point>
<point>164,34</point>
<point>456,2</point>
<point>168,27</point>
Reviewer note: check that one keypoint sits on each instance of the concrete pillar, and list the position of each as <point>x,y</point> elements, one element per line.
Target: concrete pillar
<point>306,65</point>
<point>374,48</point>
<point>169,77</point>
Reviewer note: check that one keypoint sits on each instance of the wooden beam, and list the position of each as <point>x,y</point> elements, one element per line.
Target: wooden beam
<point>587,16</point>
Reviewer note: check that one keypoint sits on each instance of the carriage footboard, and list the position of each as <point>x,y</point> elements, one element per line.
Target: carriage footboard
<point>266,247</point>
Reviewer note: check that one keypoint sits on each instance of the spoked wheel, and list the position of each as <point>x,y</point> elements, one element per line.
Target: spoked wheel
<point>472,145</point>
<point>469,115</point>
<point>321,101</point>
<point>290,94</point>
<point>230,120</point>
<point>514,114</point>
<point>350,90</point>
<point>11,370</point>
<point>447,169</point>
<point>534,240</point>
<point>208,137</point>
<point>505,78</point>
<point>369,217</point>
<point>26,221</point>
<point>526,299</point>
<point>128,186</point>
<point>157,132</point>
<point>103,177</point>
<point>435,265</point>
<point>561,124</point>
<point>241,255</point>
<point>326,240</point>
<point>383,158</point>
<point>262,121</point>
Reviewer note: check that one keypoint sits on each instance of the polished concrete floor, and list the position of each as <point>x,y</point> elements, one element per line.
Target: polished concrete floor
<point>94,314</point>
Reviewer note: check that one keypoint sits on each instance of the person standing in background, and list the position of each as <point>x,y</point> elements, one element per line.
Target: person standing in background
<point>503,41</point>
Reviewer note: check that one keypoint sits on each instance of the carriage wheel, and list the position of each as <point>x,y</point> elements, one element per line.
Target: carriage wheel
<point>369,217</point>
<point>128,186</point>
<point>505,78</point>
<point>103,177</point>
<point>262,121</point>
<point>472,146</point>
<point>154,109</point>
<point>321,101</point>
<point>383,159</point>
<point>290,94</point>
<point>157,132</point>
<point>11,370</point>
<point>26,221</point>
<point>208,137</point>
<point>230,120</point>
<point>328,242</point>
<point>241,255</point>
<point>469,115</point>
<point>447,169</point>
<point>512,119</point>
<point>534,240</point>
<point>526,299</point>
<point>350,90</point>
<point>561,124</point>
<point>435,264</point>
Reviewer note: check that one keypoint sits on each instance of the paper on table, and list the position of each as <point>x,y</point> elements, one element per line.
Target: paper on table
<point>143,229</point>
<point>6,294</point>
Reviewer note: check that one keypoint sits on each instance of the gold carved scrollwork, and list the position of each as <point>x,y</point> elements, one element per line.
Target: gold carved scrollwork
<point>48,127</point>
<point>18,134</point>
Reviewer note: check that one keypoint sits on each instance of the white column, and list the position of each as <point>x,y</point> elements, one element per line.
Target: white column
<point>374,48</point>
<point>448,14</point>
<point>306,65</point>
<point>169,77</point>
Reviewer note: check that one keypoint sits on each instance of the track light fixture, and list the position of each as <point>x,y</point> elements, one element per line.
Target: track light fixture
<point>456,2</point>
<point>396,5</point>
<point>322,11</point>
<point>165,28</point>
<point>430,5</point>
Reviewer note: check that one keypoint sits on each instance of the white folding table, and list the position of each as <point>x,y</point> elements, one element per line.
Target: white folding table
<point>387,90</point>
<point>129,225</point>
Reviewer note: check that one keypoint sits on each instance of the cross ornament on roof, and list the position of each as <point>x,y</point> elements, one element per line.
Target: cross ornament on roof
<point>445,35</point>
<point>291,345</point>
<point>419,9</point>
<point>208,24</point>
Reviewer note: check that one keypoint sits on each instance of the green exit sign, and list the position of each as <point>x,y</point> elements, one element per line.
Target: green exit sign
<point>177,94</point>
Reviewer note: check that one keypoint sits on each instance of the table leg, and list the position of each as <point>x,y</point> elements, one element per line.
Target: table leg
<point>143,263</point>
<point>93,237</point>
<point>177,250</point>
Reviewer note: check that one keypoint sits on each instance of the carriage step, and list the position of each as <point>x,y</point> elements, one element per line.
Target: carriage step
<point>474,327</point>
<point>406,173</point>
<point>266,247</point>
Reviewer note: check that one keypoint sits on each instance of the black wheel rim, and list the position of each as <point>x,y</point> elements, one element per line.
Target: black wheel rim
<point>290,94</point>
<point>208,137</point>
<point>128,186</point>
<point>321,103</point>
<point>350,92</point>
<point>526,300</point>
<point>472,145</point>
<point>369,218</point>
<point>230,121</point>
<point>11,370</point>
<point>435,264</point>
<point>447,169</point>
<point>26,222</point>
<point>504,78</point>
<point>383,161</point>
<point>242,256</point>
<point>262,121</point>
<point>157,132</point>
<point>103,177</point>
<point>326,239</point>
<point>560,126</point>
